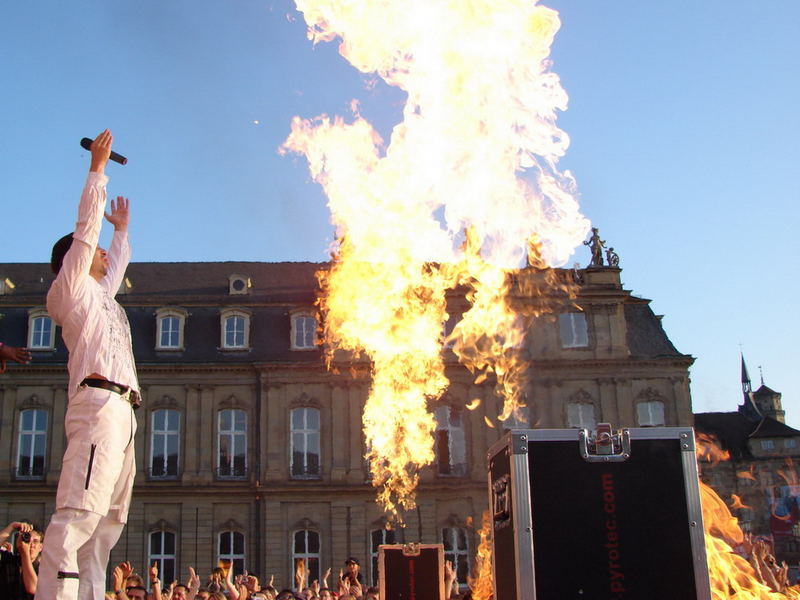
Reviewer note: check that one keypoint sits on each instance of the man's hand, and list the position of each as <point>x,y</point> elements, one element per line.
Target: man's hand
<point>127,569</point>
<point>118,578</point>
<point>20,355</point>
<point>119,214</point>
<point>101,150</point>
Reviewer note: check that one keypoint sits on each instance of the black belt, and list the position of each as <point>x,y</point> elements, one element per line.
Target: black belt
<point>134,398</point>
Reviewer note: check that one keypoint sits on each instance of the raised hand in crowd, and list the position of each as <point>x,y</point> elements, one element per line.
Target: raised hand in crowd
<point>355,590</point>
<point>20,355</point>
<point>118,582</point>
<point>155,582</point>
<point>232,589</point>
<point>193,585</point>
<point>325,577</point>
<point>344,584</point>
<point>449,578</point>
<point>300,575</point>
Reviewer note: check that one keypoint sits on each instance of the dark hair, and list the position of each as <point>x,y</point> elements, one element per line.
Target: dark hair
<point>136,587</point>
<point>60,249</point>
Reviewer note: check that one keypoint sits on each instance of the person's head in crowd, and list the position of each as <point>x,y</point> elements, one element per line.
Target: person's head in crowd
<point>180,592</point>
<point>35,544</point>
<point>136,592</point>
<point>285,594</point>
<point>134,581</point>
<point>270,592</point>
<point>352,566</point>
<point>325,594</point>
<point>220,596</point>
<point>372,593</point>
<point>203,594</point>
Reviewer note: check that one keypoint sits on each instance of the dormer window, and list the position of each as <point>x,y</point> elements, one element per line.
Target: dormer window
<point>41,330</point>
<point>235,329</point>
<point>304,331</point>
<point>239,284</point>
<point>169,328</point>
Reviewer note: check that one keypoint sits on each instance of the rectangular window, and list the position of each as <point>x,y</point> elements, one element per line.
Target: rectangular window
<point>650,414</point>
<point>789,443</point>
<point>581,414</point>
<point>41,333</point>
<point>304,332</point>
<point>456,550</point>
<point>170,332</point>
<point>767,445</point>
<point>573,330</point>
<point>306,548</point>
<point>377,538</point>
<point>451,450</point>
<point>162,551</point>
<point>305,443</point>
<point>32,443</point>
<point>232,443</point>
<point>231,550</point>
<point>165,444</point>
<point>234,332</point>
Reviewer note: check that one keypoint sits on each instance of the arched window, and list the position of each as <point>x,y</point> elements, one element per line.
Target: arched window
<point>456,550</point>
<point>305,546</point>
<point>169,328</point>
<point>377,538</point>
<point>451,447</point>
<point>304,331</point>
<point>232,443</point>
<point>305,443</point>
<point>32,443</point>
<point>162,551</point>
<point>165,444</point>
<point>231,549</point>
<point>650,414</point>
<point>41,331</point>
<point>235,329</point>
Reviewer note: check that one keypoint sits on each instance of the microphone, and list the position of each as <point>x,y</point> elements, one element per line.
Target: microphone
<point>87,144</point>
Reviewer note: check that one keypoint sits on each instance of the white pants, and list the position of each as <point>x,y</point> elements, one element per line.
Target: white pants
<point>93,497</point>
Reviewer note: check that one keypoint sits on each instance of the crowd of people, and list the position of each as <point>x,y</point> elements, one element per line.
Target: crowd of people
<point>21,545</point>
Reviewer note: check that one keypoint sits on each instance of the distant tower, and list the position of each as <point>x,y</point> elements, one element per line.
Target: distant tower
<point>746,387</point>
<point>749,408</point>
<point>769,403</point>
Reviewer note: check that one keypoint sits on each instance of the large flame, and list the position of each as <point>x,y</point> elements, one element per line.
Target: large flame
<point>467,182</point>
<point>732,576</point>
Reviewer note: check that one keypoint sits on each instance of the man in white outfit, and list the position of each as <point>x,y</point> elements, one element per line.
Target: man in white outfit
<point>97,472</point>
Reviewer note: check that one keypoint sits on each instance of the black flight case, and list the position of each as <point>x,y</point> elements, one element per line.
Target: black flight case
<point>597,515</point>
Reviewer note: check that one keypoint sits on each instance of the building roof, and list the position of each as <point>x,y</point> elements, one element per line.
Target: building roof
<point>645,336</point>
<point>733,430</point>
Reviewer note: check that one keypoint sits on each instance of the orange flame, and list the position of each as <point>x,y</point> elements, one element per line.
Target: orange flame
<point>708,449</point>
<point>482,583</point>
<point>474,161</point>
<point>737,502</point>
<point>732,576</point>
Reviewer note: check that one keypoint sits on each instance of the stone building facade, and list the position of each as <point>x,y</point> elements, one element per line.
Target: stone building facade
<point>760,479</point>
<point>250,450</point>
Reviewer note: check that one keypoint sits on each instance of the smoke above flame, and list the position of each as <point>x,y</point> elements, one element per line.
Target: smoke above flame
<point>466,189</point>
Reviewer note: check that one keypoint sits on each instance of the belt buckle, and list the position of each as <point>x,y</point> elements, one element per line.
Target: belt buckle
<point>134,398</point>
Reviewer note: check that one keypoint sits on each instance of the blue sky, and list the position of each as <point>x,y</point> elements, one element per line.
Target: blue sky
<point>683,119</point>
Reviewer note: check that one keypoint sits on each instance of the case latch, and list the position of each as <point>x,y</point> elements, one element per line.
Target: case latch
<point>605,445</point>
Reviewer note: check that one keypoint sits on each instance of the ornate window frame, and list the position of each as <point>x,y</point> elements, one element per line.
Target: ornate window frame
<point>171,312</point>
<point>237,313</point>
<point>36,339</point>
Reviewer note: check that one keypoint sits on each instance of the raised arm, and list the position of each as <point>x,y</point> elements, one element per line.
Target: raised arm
<point>78,258</point>
<point>119,254</point>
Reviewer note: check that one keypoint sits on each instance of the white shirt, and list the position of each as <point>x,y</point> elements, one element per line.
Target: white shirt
<point>94,326</point>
